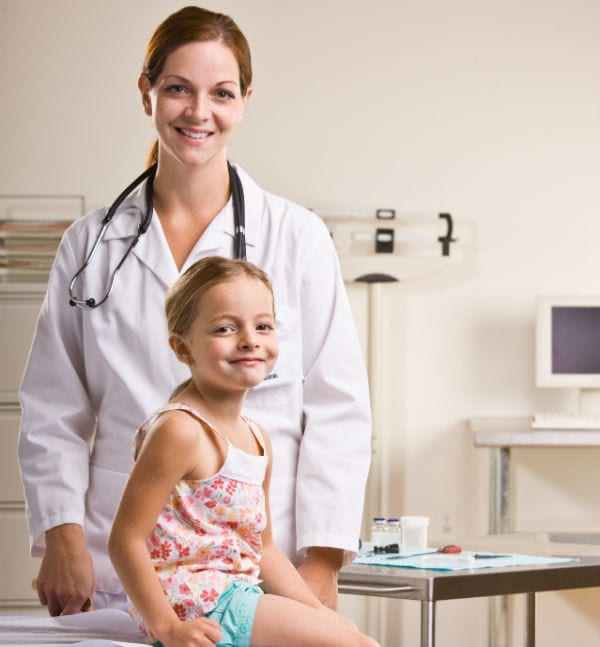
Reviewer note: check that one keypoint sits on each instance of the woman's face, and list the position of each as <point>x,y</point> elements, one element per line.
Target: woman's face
<point>196,103</point>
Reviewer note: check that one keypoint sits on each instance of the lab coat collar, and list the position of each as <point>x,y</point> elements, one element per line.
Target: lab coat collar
<point>152,248</point>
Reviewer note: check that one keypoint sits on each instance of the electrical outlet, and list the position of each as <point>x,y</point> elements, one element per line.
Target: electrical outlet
<point>444,524</point>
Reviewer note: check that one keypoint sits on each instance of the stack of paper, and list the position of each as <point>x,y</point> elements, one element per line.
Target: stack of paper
<point>27,248</point>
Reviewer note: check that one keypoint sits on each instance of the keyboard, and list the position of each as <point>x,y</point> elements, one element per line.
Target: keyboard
<point>565,420</point>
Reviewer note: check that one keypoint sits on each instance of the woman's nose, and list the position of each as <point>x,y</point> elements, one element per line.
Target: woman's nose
<point>197,107</point>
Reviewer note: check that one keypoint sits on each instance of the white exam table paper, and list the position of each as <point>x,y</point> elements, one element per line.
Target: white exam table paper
<point>101,628</point>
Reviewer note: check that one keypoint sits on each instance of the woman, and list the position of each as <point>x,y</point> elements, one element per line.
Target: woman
<point>112,363</point>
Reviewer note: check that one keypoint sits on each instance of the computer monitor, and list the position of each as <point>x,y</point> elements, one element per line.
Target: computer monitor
<point>568,342</point>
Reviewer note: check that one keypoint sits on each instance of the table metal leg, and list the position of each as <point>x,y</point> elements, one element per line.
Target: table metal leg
<point>427,623</point>
<point>499,490</point>
<point>499,524</point>
<point>530,620</point>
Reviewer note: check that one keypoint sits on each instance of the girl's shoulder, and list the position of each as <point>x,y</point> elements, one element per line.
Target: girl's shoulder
<point>169,427</point>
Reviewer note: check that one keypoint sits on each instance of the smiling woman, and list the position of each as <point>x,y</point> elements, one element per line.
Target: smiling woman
<point>115,361</point>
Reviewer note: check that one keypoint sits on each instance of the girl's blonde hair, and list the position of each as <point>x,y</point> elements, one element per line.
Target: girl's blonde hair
<point>182,300</point>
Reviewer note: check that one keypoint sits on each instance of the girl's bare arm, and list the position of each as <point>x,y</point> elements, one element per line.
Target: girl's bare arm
<point>166,457</point>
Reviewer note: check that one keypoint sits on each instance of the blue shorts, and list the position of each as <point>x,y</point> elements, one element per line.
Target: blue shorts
<point>235,611</point>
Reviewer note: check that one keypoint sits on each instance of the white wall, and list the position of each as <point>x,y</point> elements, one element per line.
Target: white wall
<point>487,109</point>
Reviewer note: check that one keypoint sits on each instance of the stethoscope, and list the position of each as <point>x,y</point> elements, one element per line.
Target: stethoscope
<point>239,220</point>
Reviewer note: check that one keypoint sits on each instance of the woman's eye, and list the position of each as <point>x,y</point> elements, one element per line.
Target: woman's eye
<point>224,95</point>
<point>176,89</point>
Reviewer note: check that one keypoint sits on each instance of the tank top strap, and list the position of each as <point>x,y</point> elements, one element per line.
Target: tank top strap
<point>256,433</point>
<point>181,406</point>
<point>171,406</point>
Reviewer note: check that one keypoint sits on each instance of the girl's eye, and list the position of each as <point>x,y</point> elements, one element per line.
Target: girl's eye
<point>224,329</point>
<point>265,327</point>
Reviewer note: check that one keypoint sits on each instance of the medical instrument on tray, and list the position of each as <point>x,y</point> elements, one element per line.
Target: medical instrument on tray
<point>239,219</point>
<point>449,549</point>
<point>453,549</point>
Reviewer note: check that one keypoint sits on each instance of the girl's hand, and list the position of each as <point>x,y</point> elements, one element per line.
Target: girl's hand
<point>200,632</point>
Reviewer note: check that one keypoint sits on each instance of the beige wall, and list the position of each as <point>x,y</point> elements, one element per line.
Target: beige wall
<point>487,109</point>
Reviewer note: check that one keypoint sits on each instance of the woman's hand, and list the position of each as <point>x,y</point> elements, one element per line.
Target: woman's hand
<point>200,632</point>
<point>65,582</point>
<point>320,571</point>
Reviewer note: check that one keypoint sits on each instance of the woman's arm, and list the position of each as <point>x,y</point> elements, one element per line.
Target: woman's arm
<point>337,422</point>
<point>279,575</point>
<point>166,457</point>
<point>57,425</point>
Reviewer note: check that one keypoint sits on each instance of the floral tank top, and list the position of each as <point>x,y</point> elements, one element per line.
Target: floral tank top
<point>208,533</point>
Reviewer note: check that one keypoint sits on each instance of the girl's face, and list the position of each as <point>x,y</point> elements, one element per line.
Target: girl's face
<point>231,345</point>
<point>196,103</point>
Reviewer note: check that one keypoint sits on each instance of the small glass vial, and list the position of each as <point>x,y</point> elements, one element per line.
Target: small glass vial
<point>393,532</point>
<point>378,532</point>
<point>414,532</point>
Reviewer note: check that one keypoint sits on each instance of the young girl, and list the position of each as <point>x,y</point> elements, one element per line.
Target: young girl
<point>192,533</point>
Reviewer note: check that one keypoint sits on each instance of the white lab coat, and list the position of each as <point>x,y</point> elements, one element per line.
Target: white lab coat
<point>93,377</point>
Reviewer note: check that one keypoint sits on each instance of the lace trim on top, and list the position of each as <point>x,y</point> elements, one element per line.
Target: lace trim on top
<point>238,464</point>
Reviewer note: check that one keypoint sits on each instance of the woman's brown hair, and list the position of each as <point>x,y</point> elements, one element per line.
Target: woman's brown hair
<point>189,25</point>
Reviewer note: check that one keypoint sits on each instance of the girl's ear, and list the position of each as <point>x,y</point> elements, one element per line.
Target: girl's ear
<point>180,348</point>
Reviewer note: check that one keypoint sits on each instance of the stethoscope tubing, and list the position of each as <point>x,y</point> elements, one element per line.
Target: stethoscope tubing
<point>239,216</point>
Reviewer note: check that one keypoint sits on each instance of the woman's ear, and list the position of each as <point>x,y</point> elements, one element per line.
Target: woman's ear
<point>180,348</point>
<point>144,88</point>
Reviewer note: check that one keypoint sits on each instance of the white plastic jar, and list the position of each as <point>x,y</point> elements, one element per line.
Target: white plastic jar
<point>414,532</point>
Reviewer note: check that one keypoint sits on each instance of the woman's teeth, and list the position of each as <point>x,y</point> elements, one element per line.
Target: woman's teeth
<point>192,134</point>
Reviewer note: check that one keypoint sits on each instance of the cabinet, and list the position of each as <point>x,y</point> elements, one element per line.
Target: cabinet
<point>19,307</point>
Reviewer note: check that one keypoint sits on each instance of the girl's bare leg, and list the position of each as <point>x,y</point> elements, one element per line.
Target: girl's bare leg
<point>281,621</point>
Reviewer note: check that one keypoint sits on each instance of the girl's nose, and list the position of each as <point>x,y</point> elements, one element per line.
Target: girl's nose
<point>249,340</point>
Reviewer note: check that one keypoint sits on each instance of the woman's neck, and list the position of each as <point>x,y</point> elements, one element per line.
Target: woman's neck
<point>200,192</point>
<point>186,200</point>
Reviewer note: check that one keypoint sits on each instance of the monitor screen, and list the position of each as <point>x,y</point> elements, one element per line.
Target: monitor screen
<point>568,342</point>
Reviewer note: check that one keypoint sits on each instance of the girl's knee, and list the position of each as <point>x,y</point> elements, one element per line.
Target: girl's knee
<point>368,642</point>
